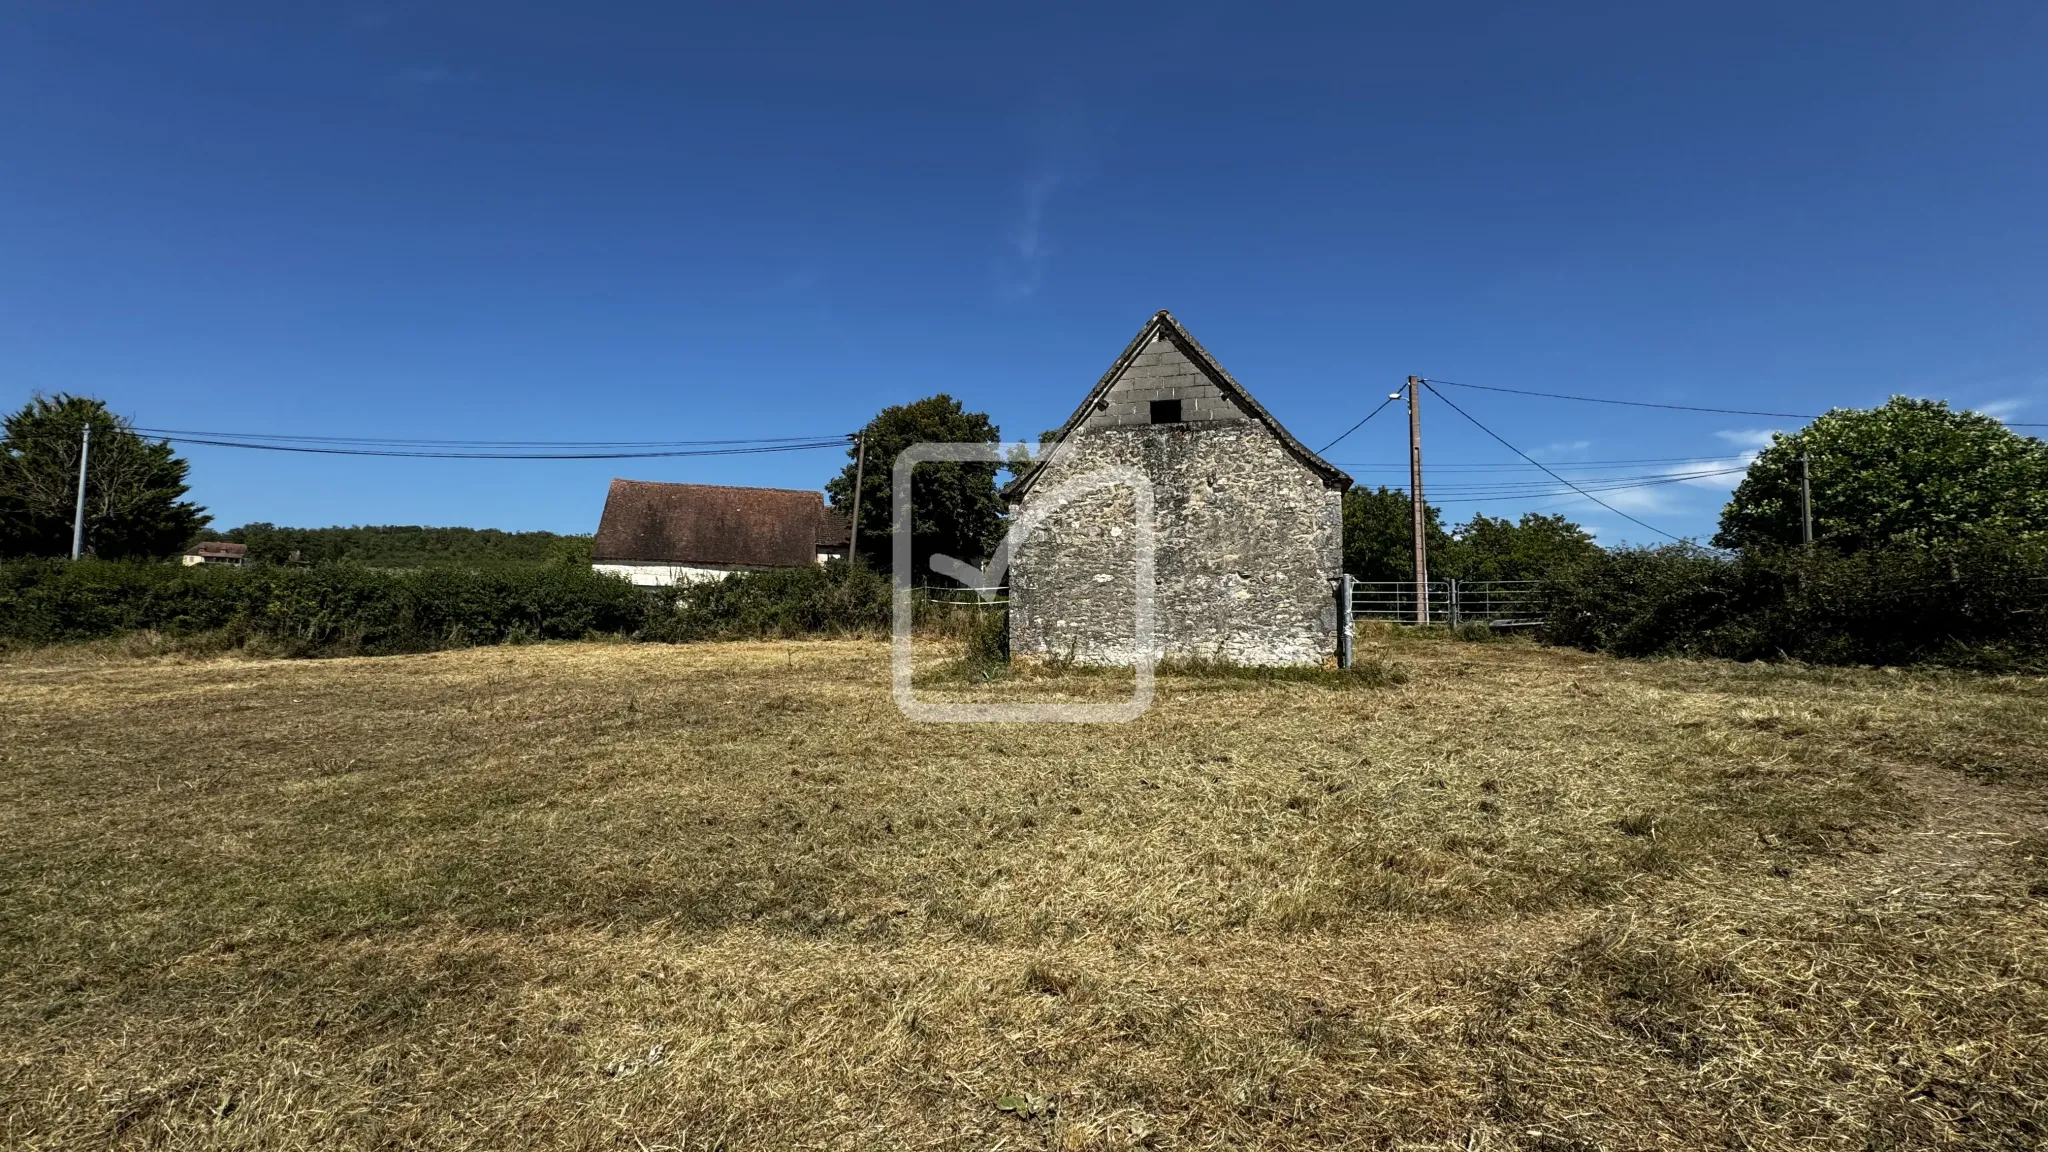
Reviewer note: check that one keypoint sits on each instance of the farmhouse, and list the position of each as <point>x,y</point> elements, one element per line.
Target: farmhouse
<point>216,552</point>
<point>658,534</point>
<point>1247,522</point>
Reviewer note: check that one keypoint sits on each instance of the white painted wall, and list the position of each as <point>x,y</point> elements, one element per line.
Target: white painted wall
<point>666,575</point>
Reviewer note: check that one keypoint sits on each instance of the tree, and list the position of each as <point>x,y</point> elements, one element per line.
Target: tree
<point>1911,470</point>
<point>1379,534</point>
<point>1535,548</point>
<point>955,508</point>
<point>406,546</point>
<point>133,486</point>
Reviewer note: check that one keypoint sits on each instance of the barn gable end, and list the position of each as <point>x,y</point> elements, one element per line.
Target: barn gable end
<point>1248,523</point>
<point>1165,362</point>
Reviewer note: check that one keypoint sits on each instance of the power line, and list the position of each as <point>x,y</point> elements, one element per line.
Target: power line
<point>1357,426</point>
<point>1722,459</point>
<point>1539,464</point>
<point>1670,407</point>
<point>387,441</point>
<point>447,455</point>
<point>1481,496</point>
<point>1595,483</point>
<point>1627,403</point>
<point>475,449</point>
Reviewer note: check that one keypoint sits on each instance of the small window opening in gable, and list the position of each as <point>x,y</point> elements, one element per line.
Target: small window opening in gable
<point>1166,411</point>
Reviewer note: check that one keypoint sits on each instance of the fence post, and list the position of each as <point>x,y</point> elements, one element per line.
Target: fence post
<point>1344,620</point>
<point>1454,604</point>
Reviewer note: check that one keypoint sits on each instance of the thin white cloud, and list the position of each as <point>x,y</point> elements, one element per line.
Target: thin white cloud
<point>1027,240</point>
<point>1060,132</point>
<point>1564,449</point>
<point>1703,473</point>
<point>1635,499</point>
<point>1755,438</point>
<point>2003,409</point>
<point>416,79</point>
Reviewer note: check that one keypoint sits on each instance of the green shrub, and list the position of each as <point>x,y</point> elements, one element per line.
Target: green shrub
<point>331,609</point>
<point>1980,603</point>
<point>339,609</point>
<point>832,599</point>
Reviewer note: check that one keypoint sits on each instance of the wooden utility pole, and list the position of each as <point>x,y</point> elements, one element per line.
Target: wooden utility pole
<point>860,468</point>
<point>1805,499</point>
<point>78,513</point>
<point>1415,496</point>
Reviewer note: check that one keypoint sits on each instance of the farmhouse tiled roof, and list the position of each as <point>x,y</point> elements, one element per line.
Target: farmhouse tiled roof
<point>1162,324</point>
<point>649,522</point>
<point>219,548</point>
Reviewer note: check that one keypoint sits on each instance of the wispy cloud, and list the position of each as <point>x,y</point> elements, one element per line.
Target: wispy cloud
<point>1060,142</point>
<point>1722,474</point>
<point>419,78</point>
<point>1636,499</point>
<point>2004,409</point>
<point>1752,438</point>
<point>1564,449</point>
<point>1668,484</point>
<point>1027,239</point>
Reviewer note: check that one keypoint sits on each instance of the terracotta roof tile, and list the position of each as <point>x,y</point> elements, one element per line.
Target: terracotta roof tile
<point>651,522</point>
<point>218,548</point>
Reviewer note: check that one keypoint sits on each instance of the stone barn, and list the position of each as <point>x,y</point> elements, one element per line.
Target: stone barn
<point>1248,523</point>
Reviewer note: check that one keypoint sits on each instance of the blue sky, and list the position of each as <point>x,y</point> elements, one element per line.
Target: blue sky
<point>625,223</point>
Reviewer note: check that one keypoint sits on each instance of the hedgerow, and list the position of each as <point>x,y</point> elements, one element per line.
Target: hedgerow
<point>340,609</point>
<point>1979,603</point>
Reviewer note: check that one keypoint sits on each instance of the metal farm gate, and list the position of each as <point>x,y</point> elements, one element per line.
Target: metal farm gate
<point>1499,603</point>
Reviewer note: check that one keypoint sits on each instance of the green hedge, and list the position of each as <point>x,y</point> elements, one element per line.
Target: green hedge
<point>827,599</point>
<point>1979,604</point>
<point>341,608</point>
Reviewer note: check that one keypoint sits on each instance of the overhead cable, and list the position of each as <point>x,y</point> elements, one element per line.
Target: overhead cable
<point>1531,459</point>
<point>1357,426</point>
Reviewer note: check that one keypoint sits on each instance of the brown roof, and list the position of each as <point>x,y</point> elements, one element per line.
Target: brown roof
<point>648,522</point>
<point>219,548</point>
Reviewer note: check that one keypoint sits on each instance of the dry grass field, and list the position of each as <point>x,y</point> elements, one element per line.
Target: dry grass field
<point>724,896</point>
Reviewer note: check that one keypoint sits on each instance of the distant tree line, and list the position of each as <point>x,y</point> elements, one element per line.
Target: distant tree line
<point>1379,542</point>
<point>404,546</point>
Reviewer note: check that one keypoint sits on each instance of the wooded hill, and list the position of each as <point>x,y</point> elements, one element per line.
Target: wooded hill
<point>403,545</point>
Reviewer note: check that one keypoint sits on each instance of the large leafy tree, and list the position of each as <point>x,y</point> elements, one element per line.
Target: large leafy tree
<point>1911,470</point>
<point>955,508</point>
<point>1534,548</point>
<point>1379,535</point>
<point>133,486</point>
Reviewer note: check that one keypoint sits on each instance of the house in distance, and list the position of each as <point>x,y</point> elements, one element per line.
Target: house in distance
<point>1248,523</point>
<point>658,534</point>
<point>215,552</point>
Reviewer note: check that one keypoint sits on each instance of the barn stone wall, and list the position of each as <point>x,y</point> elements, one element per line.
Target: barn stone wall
<point>1247,543</point>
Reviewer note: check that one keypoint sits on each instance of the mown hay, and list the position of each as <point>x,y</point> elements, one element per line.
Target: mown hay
<point>724,896</point>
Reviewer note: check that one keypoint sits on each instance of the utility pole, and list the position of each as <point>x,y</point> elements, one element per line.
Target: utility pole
<point>1805,499</point>
<point>78,513</point>
<point>860,468</point>
<point>1415,495</point>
